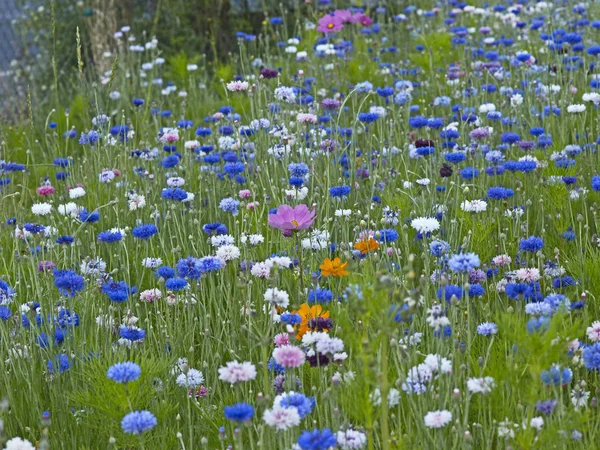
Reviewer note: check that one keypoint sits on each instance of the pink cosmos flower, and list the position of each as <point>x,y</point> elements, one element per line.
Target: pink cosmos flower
<point>344,15</point>
<point>329,24</point>
<point>288,219</point>
<point>289,356</point>
<point>363,19</point>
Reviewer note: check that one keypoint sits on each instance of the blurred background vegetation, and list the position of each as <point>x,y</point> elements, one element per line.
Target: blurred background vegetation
<point>43,47</point>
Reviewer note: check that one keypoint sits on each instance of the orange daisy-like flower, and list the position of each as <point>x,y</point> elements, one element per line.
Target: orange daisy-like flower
<point>366,246</point>
<point>308,313</point>
<point>334,268</point>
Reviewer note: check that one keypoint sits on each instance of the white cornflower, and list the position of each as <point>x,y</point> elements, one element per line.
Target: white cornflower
<point>228,252</point>
<point>136,201</point>
<point>237,86</point>
<point>437,419</point>
<point>575,109</point>
<point>425,224</point>
<point>593,331</point>
<point>282,418</point>
<point>152,263</point>
<point>277,297</point>
<point>222,239</point>
<point>474,206</point>
<point>41,209</point>
<point>351,439</point>
<point>191,379</point>
<point>480,385</point>
<point>537,423</point>
<point>18,444</point>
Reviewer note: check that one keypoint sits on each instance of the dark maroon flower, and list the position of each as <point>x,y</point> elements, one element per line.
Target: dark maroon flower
<point>446,171</point>
<point>269,73</point>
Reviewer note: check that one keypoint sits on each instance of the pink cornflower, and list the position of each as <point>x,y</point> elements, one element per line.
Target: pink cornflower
<point>289,356</point>
<point>45,190</point>
<point>245,193</point>
<point>329,24</point>
<point>281,339</point>
<point>252,205</point>
<point>288,219</point>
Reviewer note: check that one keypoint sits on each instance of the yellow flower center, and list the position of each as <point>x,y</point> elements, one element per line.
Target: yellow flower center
<point>329,25</point>
<point>295,223</point>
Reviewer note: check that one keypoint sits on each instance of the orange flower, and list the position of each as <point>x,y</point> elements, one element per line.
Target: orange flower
<point>308,313</point>
<point>366,246</point>
<point>333,268</point>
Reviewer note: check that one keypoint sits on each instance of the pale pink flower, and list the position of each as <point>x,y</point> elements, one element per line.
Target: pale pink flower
<point>235,372</point>
<point>289,356</point>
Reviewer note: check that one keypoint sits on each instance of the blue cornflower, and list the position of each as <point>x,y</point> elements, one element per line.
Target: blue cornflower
<point>455,157</point>
<point>468,173</point>
<point>339,191</point>
<point>170,161</point>
<point>591,356</point>
<point>64,240</point>
<point>387,235</point>
<point>464,262</point>
<point>230,205</point>
<point>438,248</point>
<point>541,324</point>
<point>320,295</point>
<point>165,272</point>
<point>124,372</point>
<point>500,193</point>
<point>301,402</point>
<point>91,138</point>
<point>5,313</point>
<point>177,194</point>
<point>596,183</point>
<point>131,333</point>
<point>557,376</point>
<point>138,422</point>
<point>317,439</point>
<point>487,329</point>
<point>298,169</point>
<point>189,268</point>
<point>367,117</point>
<point>509,137</point>
<point>563,282</point>
<point>110,236</point>
<point>89,217</point>
<point>203,132</point>
<point>476,290</point>
<point>449,291</point>
<point>214,228</point>
<point>145,231</point>
<point>210,264</point>
<point>531,244</point>
<point>68,282</point>
<point>118,291</point>
<point>176,284</point>
<point>137,102</point>
<point>240,412</point>
<point>59,364</point>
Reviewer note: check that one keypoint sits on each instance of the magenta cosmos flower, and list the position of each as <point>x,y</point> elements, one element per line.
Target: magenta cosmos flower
<point>329,24</point>
<point>363,19</point>
<point>288,219</point>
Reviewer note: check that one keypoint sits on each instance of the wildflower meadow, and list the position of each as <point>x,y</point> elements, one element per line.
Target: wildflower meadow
<point>369,228</point>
